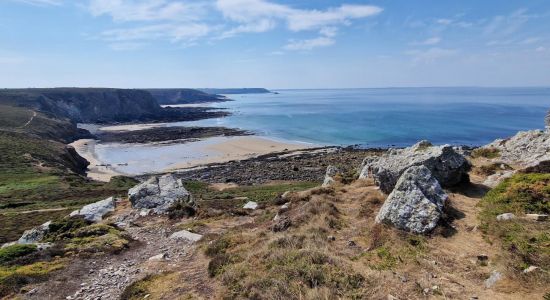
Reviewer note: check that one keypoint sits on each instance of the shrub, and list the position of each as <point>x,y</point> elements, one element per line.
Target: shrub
<point>13,252</point>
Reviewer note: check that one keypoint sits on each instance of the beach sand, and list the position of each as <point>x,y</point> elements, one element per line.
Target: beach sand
<point>228,149</point>
<point>86,149</point>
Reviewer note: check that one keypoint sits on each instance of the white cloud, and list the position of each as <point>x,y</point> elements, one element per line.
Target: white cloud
<point>172,32</point>
<point>444,21</point>
<point>147,10</point>
<point>253,11</point>
<point>309,44</point>
<point>40,2</point>
<point>431,55</point>
<point>540,49</point>
<point>507,25</point>
<point>428,42</point>
<point>529,41</point>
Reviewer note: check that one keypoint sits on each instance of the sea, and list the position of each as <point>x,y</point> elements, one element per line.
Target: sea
<point>369,118</point>
<point>387,117</point>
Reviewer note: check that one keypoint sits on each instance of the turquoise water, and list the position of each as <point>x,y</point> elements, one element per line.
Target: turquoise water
<point>388,117</point>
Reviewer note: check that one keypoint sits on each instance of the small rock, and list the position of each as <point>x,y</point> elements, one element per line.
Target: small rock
<point>144,212</point>
<point>186,235</point>
<point>506,217</point>
<point>96,211</point>
<point>537,217</point>
<point>286,195</point>
<point>331,238</point>
<point>352,244</point>
<point>282,224</point>
<point>391,297</point>
<point>251,205</point>
<point>159,257</point>
<point>530,269</point>
<point>331,172</point>
<point>482,258</point>
<point>35,235</point>
<point>493,279</point>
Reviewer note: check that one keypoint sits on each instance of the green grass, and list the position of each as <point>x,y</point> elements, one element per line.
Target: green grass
<point>14,277</point>
<point>256,193</point>
<point>527,242</point>
<point>486,153</point>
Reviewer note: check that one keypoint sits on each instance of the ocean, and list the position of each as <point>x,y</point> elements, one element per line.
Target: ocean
<point>387,117</point>
<point>395,117</point>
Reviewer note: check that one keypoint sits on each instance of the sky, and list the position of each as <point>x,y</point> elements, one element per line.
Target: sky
<point>274,43</point>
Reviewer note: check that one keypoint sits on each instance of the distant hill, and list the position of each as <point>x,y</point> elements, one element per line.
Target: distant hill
<point>184,96</point>
<point>237,91</point>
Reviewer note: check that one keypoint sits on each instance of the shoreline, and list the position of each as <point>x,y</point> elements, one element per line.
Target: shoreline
<point>215,150</point>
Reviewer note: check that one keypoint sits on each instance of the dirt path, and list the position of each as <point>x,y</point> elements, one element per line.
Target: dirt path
<point>30,120</point>
<point>37,211</point>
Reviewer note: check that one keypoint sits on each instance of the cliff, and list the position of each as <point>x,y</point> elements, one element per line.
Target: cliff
<point>184,96</point>
<point>98,105</point>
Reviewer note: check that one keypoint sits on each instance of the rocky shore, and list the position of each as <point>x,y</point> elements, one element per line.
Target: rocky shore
<point>167,134</point>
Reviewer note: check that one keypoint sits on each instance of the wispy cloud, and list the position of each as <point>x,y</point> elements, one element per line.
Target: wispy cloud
<point>507,25</point>
<point>147,10</point>
<point>431,55</point>
<point>309,44</point>
<point>39,2</point>
<point>428,42</point>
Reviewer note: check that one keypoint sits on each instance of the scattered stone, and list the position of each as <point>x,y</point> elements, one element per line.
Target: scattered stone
<point>331,238</point>
<point>332,171</point>
<point>530,269</point>
<point>536,217</point>
<point>281,224</point>
<point>35,235</point>
<point>251,205</point>
<point>96,211</point>
<point>493,279</point>
<point>391,297</point>
<point>483,258</point>
<point>416,204</point>
<point>160,194</point>
<point>352,244</point>
<point>144,212</point>
<point>159,257</point>
<point>445,164</point>
<point>186,235</point>
<point>286,195</point>
<point>285,206</point>
<point>506,217</point>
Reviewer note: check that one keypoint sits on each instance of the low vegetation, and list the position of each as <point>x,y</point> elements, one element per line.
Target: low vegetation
<point>488,153</point>
<point>527,242</point>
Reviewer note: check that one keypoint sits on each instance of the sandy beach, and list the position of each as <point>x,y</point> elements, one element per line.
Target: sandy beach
<point>206,151</point>
<point>86,149</point>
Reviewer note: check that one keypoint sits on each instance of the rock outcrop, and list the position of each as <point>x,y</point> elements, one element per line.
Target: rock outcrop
<point>332,171</point>
<point>96,211</point>
<point>186,235</point>
<point>525,149</point>
<point>35,235</point>
<point>160,194</point>
<point>416,204</point>
<point>445,164</point>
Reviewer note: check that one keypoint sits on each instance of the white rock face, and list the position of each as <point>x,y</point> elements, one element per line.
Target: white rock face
<point>35,235</point>
<point>186,235</point>
<point>525,149</point>
<point>445,164</point>
<point>416,204</point>
<point>332,171</point>
<point>96,211</point>
<point>506,217</point>
<point>251,205</point>
<point>160,194</point>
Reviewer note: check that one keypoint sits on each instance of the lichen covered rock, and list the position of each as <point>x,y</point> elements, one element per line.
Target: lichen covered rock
<point>416,204</point>
<point>160,194</point>
<point>444,163</point>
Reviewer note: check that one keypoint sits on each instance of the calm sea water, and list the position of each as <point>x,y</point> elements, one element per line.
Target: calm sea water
<point>388,117</point>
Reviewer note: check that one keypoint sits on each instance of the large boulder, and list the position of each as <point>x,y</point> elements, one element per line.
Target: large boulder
<point>160,194</point>
<point>416,204</point>
<point>445,164</point>
<point>35,235</point>
<point>96,211</point>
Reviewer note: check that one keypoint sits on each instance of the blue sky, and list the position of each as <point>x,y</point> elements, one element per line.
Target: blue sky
<point>274,43</point>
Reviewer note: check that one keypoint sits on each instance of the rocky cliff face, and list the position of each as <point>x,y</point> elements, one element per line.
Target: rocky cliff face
<point>183,96</point>
<point>98,105</point>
